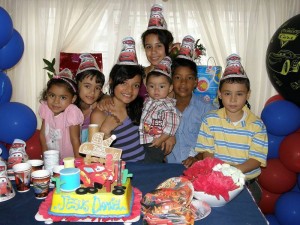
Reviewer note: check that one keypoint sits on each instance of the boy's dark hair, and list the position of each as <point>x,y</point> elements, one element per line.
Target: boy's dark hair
<point>233,80</point>
<point>177,62</point>
<point>157,74</point>
<point>118,75</point>
<point>59,82</point>
<point>100,79</point>
<point>164,36</point>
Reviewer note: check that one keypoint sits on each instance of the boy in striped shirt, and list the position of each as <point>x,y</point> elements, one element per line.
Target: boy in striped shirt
<point>233,133</point>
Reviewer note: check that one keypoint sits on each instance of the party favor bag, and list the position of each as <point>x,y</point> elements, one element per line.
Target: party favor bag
<point>208,81</point>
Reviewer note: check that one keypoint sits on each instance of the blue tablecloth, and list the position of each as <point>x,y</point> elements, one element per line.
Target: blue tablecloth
<point>242,210</point>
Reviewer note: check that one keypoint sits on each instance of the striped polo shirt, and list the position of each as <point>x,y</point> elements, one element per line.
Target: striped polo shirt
<point>231,143</point>
<point>128,140</point>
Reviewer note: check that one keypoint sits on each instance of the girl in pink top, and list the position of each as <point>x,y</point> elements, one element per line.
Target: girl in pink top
<point>61,118</point>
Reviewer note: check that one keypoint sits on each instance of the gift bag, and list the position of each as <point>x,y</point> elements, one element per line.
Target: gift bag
<point>72,61</point>
<point>208,81</point>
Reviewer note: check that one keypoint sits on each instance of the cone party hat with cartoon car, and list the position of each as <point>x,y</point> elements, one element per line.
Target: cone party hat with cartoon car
<point>128,55</point>
<point>187,48</point>
<point>17,154</point>
<point>157,20</point>
<point>234,67</point>
<point>164,66</point>
<point>88,62</point>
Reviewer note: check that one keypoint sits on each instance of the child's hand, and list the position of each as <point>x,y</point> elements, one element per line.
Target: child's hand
<point>189,161</point>
<point>156,143</point>
<point>168,145</point>
<point>105,104</point>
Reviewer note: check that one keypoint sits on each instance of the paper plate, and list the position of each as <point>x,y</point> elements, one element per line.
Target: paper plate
<point>177,183</point>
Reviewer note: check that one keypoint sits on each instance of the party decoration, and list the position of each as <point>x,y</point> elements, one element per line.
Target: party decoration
<point>282,60</point>
<point>272,219</point>
<point>16,121</point>
<point>273,146</point>
<point>274,98</point>
<point>276,178</point>
<point>3,152</point>
<point>287,210</point>
<point>281,117</point>
<point>268,201</point>
<point>289,152</point>
<point>5,88</point>
<point>33,146</point>
<point>11,53</point>
<point>6,28</point>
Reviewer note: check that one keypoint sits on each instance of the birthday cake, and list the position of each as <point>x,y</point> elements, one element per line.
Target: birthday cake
<point>95,190</point>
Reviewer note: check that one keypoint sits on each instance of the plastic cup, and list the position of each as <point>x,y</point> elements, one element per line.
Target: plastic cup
<point>22,176</point>
<point>41,182</point>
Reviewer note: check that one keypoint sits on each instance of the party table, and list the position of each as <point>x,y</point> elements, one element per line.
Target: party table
<point>242,210</point>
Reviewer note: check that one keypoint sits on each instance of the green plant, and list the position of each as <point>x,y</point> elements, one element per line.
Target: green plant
<point>50,67</point>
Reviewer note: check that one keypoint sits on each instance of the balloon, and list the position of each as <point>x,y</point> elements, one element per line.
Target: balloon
<point>273,99</point>
<point>16,121</point>
<point>282,60</point>
<point>6,28</point>
<point>289,152</point>
<point>5,88</point>
<point>276,178</point>
<point>34,147</point>
<point>268,201</point>
<point>281,117</point>
<point>3,152</point>
<point>298,181</point>
<point>272,219</point>
<point>11,53</point>
<point>287,209</point>
<point>273,146</point>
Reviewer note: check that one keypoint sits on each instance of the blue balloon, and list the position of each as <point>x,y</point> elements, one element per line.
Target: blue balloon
<point>16,121</point>
<point>272,219</point>
<point>6,28</point>
<point>273,146</point>
<point>3,152</point>
<point>5,88</point>
<point>12,52</point>
<point>281,117</point>
<point>287,208</point>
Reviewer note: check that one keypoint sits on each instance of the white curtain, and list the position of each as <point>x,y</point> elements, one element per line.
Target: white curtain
<point>49,27</point>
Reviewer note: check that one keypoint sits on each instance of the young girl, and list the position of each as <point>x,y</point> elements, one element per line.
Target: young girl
<point>61,118</point>
<point>233,133</point>
<point>157,41</point>
<point>123,118</point>
<point>90,81</point>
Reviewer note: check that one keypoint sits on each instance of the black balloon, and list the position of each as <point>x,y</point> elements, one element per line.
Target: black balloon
<point>283,60</point>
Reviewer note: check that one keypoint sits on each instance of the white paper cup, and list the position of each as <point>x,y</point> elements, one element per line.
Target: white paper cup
<point>22,176</point>
<point>51,159</point>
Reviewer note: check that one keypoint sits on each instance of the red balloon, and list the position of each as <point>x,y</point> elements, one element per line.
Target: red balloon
<point>34,147</point>
<point>276,178</point>
<point>274,98</point>
<point>289,152</point>
<point>268,201</point>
